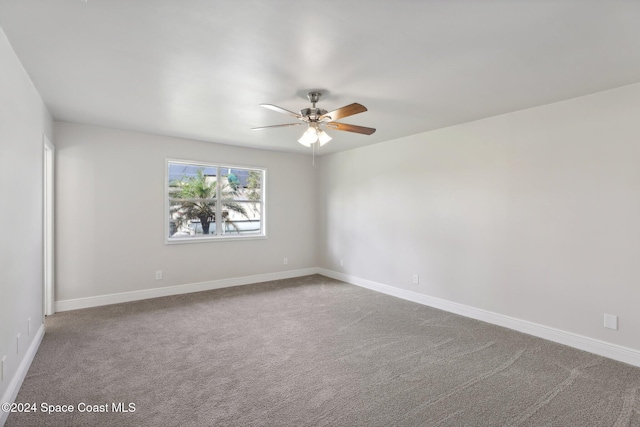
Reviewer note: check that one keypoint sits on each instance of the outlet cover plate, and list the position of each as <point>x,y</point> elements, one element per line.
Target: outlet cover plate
<point>611,321</point>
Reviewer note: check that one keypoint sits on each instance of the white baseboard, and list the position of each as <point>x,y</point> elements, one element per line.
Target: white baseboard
<point>612,351</point>
<point>78,303</point>
<point>16,382</point>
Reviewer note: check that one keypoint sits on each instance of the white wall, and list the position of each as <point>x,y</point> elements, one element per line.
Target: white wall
<point>533,214</point>
<point>110,214</point>
<point>23,121</point>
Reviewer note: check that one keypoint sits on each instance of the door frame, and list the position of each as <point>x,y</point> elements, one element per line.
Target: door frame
<point>48,193</point>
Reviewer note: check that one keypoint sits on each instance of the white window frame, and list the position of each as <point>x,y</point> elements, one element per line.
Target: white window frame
<point>219,234</point>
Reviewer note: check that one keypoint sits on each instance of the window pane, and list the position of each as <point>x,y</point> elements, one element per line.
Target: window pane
<point>183,172</point>
<point>241,184</point>
<point>191,218</point>
<point>241,218</point>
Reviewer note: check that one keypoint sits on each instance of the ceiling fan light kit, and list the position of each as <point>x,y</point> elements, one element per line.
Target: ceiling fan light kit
<point>314,134</point>
<point>309,137</point>
<point>317,117</point>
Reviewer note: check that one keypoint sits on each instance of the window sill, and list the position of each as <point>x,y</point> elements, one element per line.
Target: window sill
<point>228,238</point>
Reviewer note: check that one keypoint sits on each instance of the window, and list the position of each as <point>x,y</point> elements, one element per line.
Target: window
<point>210,202</point>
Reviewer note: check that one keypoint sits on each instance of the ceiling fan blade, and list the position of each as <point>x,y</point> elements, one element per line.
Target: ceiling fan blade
<point>350,128</point>
<point>277,126</point>
<point>346,111</point>
<point>281,110</point>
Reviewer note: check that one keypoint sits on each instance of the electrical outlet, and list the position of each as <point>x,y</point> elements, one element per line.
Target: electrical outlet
<point>285,261</point>
<point>341,263</point>
<point>18,344</point>
<point>416,279</point>
<point>2,368</point>
<point>611,321</point>
<point>159,275</point>
<point>29,326</point>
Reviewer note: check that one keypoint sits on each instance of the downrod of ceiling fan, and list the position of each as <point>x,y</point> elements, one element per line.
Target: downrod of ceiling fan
<point>314,97</point>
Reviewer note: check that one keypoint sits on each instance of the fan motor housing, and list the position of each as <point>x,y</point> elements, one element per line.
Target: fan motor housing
<point>312,114</point>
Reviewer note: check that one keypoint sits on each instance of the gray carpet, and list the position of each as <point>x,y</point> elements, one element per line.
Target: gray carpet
<point>314,352</point>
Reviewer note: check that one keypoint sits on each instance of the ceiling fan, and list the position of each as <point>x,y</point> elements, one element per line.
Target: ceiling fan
<point>317,118</point>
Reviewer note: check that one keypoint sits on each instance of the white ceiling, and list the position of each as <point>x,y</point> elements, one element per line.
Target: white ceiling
<point>199,68</point>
